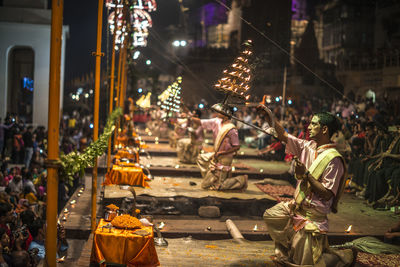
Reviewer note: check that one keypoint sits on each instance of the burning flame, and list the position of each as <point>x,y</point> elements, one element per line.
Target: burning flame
<point>348,229</point>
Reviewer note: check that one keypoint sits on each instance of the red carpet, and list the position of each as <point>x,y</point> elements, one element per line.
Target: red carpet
<point>382,260</point>
<point>280,192</point>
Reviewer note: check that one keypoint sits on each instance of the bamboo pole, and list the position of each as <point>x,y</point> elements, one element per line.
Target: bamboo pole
<point>98,55</point>
<point>112,78</point>
<point>122,87</point>
<point>122,56</point>
<point>53,132</point>
<point>123,81</point>
<point>284,93</point>
<point>117,90</point>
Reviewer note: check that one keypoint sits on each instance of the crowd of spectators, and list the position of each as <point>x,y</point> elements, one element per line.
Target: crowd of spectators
<point>368,140</point>
<point>23,179</point>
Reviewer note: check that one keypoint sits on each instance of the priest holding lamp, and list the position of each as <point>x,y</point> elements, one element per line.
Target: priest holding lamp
<point>299,227</point>
<point>216,167</point>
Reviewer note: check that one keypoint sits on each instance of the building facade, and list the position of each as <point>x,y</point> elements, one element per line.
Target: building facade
<point>362,40</point>
<point>25,28</point>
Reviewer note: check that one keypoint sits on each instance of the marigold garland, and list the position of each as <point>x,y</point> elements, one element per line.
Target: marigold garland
<point>126,221</point>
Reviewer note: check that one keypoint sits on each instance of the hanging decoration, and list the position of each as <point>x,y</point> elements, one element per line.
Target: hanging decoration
<point>136,23</point>
<point>236,78</point>
<point>75,163</point>
<point>173,102</point>
<point>117,25</point>
<point>141,22</point>
<point>114,3</point>
<point>149,5</point>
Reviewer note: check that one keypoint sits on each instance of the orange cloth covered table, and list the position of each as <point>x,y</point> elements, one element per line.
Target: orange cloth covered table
<point>124,247</point>
<point>127,154</point>
<point>122,140</point>
<point>126,175</point>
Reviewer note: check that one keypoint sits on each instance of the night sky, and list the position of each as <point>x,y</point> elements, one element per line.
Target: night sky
<point>81,16</point>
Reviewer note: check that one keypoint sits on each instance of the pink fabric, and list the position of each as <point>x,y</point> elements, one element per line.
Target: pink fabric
<point>8,178</point>
<point>41,190</point>
<point>306,151</point>
<point>199,133</point>
<point>180,131</point>
<point>213,125</point>
<point>231,139</point>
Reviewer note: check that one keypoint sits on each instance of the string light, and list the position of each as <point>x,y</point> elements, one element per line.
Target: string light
<point>171,99</point>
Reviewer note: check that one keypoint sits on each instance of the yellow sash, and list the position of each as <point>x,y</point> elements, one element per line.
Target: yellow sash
<point>394,142</point>
<point>221,135</point>
<point>316,169</point>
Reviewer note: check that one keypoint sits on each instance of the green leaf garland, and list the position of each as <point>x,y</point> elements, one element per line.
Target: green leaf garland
<point>76,162</point>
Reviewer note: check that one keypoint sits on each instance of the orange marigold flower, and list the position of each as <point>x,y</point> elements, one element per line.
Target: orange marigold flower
<point>126,221</point>
<point>112,207</point>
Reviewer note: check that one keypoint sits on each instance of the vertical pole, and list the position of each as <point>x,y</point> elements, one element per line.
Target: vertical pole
<point>123,81</point>
<point>117,90</point>
<point>53,132</point>
<point>122,86</point>
<point>120,73</point>
<point>98,55</point>
<point>284,93</point>
<point>112,78</point>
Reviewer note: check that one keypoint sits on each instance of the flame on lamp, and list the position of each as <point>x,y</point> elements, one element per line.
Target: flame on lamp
<point>349,229</point>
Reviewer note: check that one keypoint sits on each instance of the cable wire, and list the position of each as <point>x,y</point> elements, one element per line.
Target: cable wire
<point>287,53</point>
<point>179,62</point>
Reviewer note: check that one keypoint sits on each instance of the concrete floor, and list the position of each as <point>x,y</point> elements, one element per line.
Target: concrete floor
<point>180,186</point>
<point>352,211</point>
<point>191,252</point>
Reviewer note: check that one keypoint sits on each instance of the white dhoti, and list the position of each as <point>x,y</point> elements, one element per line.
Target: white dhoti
<point>203,161</point>
<point>187,150</point>
<point>217,173</point>
<point>172,138</point>
<point>304,247</point>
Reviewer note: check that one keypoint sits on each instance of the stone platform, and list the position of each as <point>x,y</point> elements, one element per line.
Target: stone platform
<point>163,149</point>
<point>178,204</point>
<point>171,166</point>
<point>184,196</point>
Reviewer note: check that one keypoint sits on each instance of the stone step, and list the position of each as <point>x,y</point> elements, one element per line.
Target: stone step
<point>172,153</point>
